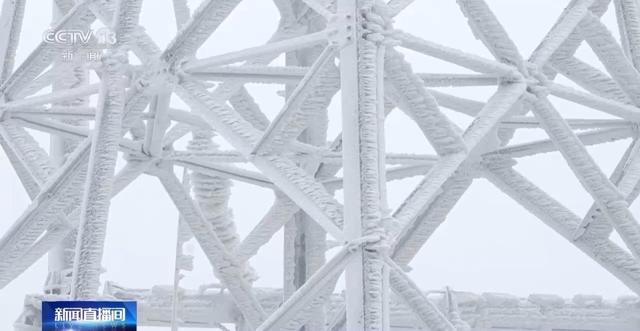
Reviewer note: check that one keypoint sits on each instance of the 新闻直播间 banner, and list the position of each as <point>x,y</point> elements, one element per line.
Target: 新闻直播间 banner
<point>89,315</point>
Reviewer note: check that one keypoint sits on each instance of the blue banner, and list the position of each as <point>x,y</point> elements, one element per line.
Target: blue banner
<point>89,316</point>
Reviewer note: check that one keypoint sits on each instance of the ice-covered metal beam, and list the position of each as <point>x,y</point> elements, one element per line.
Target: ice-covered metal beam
<point>627,12</point>
<point>589,138</point>
<point>281,212</point>
<point>362,67</point>
<point>466,60</point>
<point>94,210</point>
<point>609,106</point>
<point>574,123</point>
<point>421,106</point>
<point>158,123</point>
<point>564,27</point>
<point>204,21</point>
<point>182,12</point>
<point>397,6</point>
<point>59,192</point>
<point>227,268</point>
<point>609,255</point>
<point>64,112</point>
<point>290,309</point>
<point>53,97</point>
<point>485,26</point>
<point>61,228</point>
<point>428,314</point>
<point>451,80</point>
<point>29,160</point>
<point>626,178</point>
<point>590,175</point>
<point>286,125</point>
<point>226,171</point>
<point>273,48</point>
<point>611,55</point>
<point>297,184</point>
<point>488,119</point>
<point>79,17</point>
<point>71,131</point>
<point>410,239</point>
<point>253,74</point>
<point>319,8</point>
<point>12,16</point>
<point>590,78</point>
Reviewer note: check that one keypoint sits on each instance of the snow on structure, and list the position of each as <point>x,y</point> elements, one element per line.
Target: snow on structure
<point>331,46</point>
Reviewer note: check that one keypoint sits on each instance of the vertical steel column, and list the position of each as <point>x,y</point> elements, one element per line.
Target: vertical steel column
<point>102,161</point>
<point>363,148</point>
<point>104,152</point>
<point>60,258</point>
<point>306,239</point>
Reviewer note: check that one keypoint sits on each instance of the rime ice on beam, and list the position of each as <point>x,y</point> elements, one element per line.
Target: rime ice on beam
<point>292,180</point>
<point>227,267</point>
<point>58,194</point>
<point>95,206</point>
<point>595,182</point>
<point>205,20</point>
<point>565,26</point>
<point>626,178</point>
<point>12,16</point>
<point>212,194</point>
<point>362,72</point>
<point>29,160</point>
<point>79,17</point>
<point>610,54</point>
<point>609,255</point>
<point>486,27</point>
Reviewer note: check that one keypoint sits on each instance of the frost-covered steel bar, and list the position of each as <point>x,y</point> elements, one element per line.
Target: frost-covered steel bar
<point>606,194</point>
<point>291,179</point>
<point>79,17</point>
<point>55,196</point>
<point>613,258</point>
<point>311,290</point>
<point>497,107</point>
<point>230,273</point>
<point>271,48</point>
<point>625,177</point>
<point>30,161</point>
<point>566,25</point>
<point>283,128</point>
<point>102,161</point>
<point>60,230</point>
<point>291,156</point>
<point>12,18</point>
<point>94,211</point>
<point>61,258</point>
<point>362,68</point>
<point>427,312</point>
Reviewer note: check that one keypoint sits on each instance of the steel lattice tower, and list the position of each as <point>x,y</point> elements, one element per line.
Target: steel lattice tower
<point>331,46</point>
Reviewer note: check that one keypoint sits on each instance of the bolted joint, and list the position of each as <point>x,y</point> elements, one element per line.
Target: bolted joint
<point>343,30</point>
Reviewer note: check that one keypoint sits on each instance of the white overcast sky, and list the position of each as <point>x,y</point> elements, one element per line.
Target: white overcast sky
<point>488,244</point>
